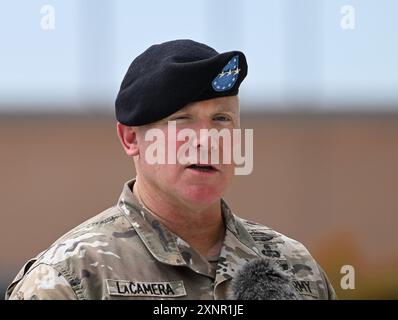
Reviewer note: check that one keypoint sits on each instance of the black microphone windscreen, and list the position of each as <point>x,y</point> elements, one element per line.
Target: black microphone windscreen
<point>263,279</point>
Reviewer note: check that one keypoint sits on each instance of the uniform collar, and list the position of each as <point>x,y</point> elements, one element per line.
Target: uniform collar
<point>168,248</point>
<point>238,248</point>
<point>160,242</point>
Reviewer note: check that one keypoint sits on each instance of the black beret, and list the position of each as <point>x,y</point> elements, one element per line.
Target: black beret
<point>168,76</point>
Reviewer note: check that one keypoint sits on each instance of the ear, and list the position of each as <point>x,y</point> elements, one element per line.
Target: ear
<point>128,139</point>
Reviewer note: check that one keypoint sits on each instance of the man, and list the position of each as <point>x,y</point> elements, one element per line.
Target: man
<point>171,235</point>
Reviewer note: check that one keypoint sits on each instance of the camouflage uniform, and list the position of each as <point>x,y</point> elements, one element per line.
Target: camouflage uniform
<point>125,253</point>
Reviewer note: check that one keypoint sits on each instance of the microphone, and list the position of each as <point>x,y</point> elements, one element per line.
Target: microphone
<point>263,279</point>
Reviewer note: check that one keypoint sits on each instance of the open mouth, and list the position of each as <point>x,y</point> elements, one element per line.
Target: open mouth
<point>202,168</point>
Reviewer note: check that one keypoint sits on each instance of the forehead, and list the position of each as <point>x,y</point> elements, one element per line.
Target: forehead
<point>222,104</point>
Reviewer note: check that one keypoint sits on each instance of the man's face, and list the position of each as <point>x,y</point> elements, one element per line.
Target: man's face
<point>193,182</point>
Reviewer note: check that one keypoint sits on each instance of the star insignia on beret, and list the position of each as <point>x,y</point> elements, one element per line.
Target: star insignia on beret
<point>226,79</point>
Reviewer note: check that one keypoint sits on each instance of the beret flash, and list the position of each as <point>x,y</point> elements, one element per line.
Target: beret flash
<point>168,76</point>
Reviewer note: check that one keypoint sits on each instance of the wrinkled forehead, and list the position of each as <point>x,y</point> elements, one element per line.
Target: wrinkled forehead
<point>224,104</point>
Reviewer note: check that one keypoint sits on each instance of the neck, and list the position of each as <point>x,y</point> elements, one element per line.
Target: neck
<point>202,227</point>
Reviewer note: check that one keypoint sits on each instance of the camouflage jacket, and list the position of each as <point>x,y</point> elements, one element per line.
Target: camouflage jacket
<point>125,253</point>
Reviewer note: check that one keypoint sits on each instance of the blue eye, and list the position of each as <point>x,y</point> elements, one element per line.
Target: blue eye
<point>222,118</point>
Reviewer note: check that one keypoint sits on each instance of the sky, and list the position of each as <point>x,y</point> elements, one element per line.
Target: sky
<point>322,55</point>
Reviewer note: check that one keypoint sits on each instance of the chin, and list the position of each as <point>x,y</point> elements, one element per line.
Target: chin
<point>201,194</point>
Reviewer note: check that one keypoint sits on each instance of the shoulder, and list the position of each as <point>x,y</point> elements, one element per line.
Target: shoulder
<point>40,283</point>
<point>99,240</point>
<point>91,236</point>
<point>309,278</point>
<point>96,243</point>
<point>272,243</point>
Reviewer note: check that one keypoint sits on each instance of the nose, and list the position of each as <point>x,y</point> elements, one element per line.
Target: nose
<point>205,140</point>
